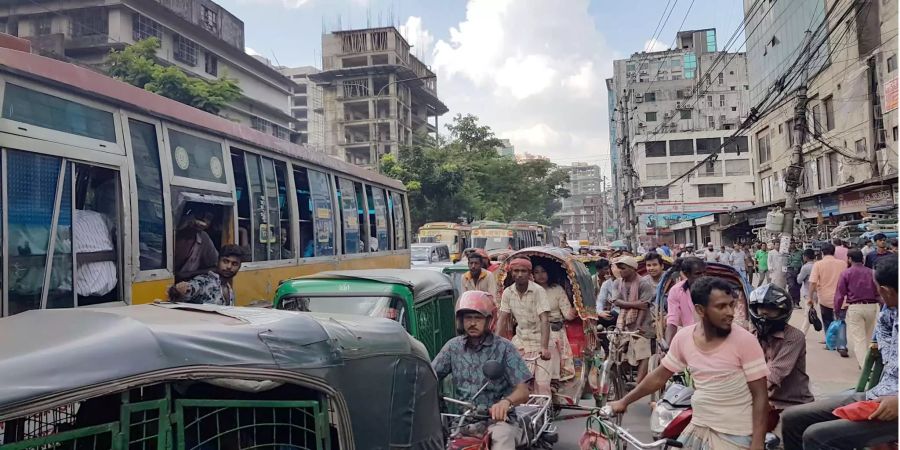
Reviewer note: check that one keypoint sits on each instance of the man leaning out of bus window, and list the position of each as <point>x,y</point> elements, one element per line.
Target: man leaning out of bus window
<point>214,287</point>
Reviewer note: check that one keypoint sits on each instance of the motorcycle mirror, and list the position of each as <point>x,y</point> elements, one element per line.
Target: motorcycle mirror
<point>492,370</point>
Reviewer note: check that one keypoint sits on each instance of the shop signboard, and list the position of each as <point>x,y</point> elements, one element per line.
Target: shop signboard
<point>879,198</point>
<point>851,202</point>
<point>890,95</point>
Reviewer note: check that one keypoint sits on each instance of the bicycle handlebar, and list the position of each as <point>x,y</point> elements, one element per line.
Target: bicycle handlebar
<point>605,413</point>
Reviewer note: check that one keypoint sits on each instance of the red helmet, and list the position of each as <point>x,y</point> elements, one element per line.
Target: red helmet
<point>474,301</point>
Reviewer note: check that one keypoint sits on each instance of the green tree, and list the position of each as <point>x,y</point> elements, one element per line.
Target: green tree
<point>463,176</point>
<point>137,65</point>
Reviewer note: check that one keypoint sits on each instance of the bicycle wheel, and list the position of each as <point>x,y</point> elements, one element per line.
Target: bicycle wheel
<point>616,388</point>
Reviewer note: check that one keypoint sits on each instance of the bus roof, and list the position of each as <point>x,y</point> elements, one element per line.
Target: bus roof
<point>72,78</point>
<point>443,225</point>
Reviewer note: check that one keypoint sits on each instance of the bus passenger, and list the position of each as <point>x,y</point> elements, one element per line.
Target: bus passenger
<point>195,252</point>
<point>214,287</point>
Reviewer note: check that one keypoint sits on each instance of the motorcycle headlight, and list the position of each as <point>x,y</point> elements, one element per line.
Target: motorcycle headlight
<point>662,416</point>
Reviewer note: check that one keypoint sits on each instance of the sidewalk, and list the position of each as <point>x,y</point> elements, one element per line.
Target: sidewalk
<point>828,372</point>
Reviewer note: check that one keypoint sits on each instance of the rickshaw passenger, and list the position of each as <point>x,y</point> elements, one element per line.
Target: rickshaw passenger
<point>464,356</point>
<point>478,278</point>
<point>606,314</point>
<point>527,303</point>
<point>681,311</point>
<point>633,295</point>
<point>562,363</point>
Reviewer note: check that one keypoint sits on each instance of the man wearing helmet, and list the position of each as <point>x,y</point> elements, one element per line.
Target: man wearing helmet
<point>464,356</point>
<point>783,345</point>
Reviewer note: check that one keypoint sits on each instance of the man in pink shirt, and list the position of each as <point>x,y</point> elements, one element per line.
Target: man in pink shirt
<point>680,309</point>
<point>727,364</point>
<point>840,251</point>
<point>823,282</point>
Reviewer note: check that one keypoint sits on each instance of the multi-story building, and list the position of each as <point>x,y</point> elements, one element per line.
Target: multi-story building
<point>198,36</point>
<point>376,94</point>
<point>306,107</point>
<point>683,105</point>
<point>582,212</point>
<point>850,152</point>
<point>506,149</point>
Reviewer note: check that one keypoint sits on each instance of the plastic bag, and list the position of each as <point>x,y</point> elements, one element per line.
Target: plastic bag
<point>857,411</point>
<point>836,335</point>
<point>595,436</point>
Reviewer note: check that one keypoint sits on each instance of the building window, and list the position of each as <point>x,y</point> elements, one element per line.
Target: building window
<point>676,77</point>
<point>710,190</point>
<point>721,78</point>
<point>211,63</point>
<point>657,171</point>
<point>706,146</point>
<point>90,22</point>
<point>894,133</point>
<point>892,63</point>
<point>736,144</point>
<point>737,167</point>
<point>655,149</point>
<point>709,101</point>
<point>656,193</point>
<point>712,122</point>
<point>651,116</point>
<point>42,25</point>
<point>861,147</point>
<point>817,119</point>
<point>279,132</point>
<point>185,50</point>
<point>685,113</point>
<point>681,147</point>
<point>763,150</point>
<point>731,88</point>
<point>681,168</point>
<point>650,97</point>
<point>833,168</point>
<point>209,19</point>
<point>259,124</point>
<point>721,100</point>
<point>711,170</point>
<point>144,27</point>
<point>829,113</point>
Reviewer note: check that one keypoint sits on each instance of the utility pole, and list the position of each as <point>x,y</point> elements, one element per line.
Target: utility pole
<point>626,172</point>
<point>794,176</point>
<point>603,192</point>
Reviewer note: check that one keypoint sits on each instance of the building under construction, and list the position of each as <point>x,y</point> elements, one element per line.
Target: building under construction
<point>376,94</point>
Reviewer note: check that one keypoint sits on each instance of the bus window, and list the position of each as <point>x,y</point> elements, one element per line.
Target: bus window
<point>263,213</point>
<point>399,221</point>
<point>320,190</point>
<point>196,158</point>
<point>305,205</point>
<point>47,111</point>
<point>148,176</point>
<point>361,216</point>
<point>349,217</point>
<point>380,219</point>
<point>317,222</point>
<point>284,213</point>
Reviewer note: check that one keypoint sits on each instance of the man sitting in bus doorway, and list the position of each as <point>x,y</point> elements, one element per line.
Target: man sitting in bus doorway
<point>527,303</point>
<point>478,278</point>
<point>195,252</point>
<point>214,287</point>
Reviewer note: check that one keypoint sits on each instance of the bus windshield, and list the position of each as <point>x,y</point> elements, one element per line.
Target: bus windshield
<point>448,237</point>
<point>493,243</point>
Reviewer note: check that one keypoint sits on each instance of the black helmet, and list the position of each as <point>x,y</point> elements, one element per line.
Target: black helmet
<point>775,297</point>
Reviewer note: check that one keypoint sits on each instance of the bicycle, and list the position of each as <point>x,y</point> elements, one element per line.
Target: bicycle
<point>608,426</point>
<point>610,382</point>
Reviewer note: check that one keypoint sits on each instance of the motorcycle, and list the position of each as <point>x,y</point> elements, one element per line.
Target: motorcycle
<point>469,430</point>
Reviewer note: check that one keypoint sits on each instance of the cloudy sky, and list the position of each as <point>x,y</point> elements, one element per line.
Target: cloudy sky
<point>533,70</point>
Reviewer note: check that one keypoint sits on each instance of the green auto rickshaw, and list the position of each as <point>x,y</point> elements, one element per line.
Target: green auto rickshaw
<point>421,300</point>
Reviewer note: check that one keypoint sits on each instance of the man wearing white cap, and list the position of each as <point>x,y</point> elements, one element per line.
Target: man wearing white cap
<point>711,254</point>
<point>633,296</point>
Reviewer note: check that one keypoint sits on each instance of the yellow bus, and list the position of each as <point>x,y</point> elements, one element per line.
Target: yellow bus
<point>457,237</point>
<point>97,175</point>
<point>491,235</point>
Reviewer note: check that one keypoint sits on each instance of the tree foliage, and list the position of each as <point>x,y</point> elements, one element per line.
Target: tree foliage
<point>137,65</point>
<point>463,176</point>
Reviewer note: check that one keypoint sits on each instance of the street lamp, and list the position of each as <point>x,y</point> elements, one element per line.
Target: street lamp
<point>377,134</point>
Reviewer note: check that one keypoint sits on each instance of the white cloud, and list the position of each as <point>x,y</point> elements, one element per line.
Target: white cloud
<point>419,38</point>
<point>290,4</point>
<point>654,45</point>
<point>534,71</point>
